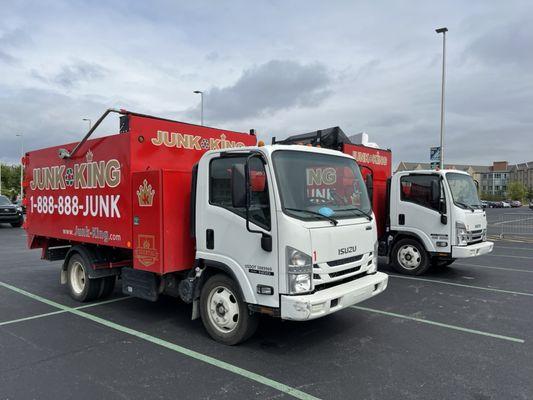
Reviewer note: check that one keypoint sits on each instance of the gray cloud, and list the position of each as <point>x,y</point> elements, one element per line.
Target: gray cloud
<point>268,88</point>
<point>46,118</point>
<point>505,44</point>
<point>72,74</point>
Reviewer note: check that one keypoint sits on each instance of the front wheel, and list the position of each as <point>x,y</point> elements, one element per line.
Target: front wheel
<point>17,224</point>
<point>224,314</point>
<point>409,257</point>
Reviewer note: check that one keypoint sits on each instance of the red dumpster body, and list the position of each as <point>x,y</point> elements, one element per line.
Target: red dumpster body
<point>130,190</point>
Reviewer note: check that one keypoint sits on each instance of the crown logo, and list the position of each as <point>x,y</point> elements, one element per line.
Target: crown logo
<point>89,156</point>
<point>145,194</point>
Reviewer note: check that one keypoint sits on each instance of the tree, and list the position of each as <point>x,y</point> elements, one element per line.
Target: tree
<point>530,193</point>
<point>10,179</point>
<point>517,190</point>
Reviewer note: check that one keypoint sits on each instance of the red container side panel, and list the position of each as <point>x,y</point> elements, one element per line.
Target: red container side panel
<point>380,162</point>
<point>177,146</point>
<point>83,199</point>
<point>96,197</point>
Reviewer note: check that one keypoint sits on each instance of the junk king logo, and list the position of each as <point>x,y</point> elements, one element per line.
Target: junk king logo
<point>86,175</point>
<point>145,194</point>
<point>193,142</point>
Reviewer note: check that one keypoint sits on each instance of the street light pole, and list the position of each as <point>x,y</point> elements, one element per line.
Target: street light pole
<point>90,122</point>
<point>443,31</point>
<point>201,105</point>
<point>21,135</point>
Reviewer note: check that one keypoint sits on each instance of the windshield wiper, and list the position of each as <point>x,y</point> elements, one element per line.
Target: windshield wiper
<point>465,205</point>
<point>369,216</point>
<point>332,220</point>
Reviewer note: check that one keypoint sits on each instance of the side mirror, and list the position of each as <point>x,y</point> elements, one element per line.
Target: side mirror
<point>435,192</point>
<point>238,186</point>
<point>369,182</point>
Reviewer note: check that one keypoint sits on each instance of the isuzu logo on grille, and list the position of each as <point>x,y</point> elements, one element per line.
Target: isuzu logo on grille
<point>347,250</point>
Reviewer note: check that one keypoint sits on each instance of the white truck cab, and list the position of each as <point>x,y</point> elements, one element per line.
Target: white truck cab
<point>292,229</point>
<point>435,218</point>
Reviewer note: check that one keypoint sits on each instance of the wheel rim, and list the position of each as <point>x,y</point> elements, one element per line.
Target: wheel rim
<point>409,257</point>
<point>223,309</point>
<point>77,277</point>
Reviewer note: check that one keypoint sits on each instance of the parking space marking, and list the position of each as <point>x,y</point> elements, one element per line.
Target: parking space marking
<point>462,285</point>
<point>508,255</point>
<point>171,346</point>
<point>500,268</point>
<point>442,325</point>
<point>513,248</point>
<point>14,321</point>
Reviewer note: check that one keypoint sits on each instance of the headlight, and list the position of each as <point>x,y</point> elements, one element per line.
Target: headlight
<point>299,271</point>
<point>461,234</point>
<point>19,208</point>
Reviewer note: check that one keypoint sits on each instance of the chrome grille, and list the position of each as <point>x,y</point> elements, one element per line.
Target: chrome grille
<point>336,272</point>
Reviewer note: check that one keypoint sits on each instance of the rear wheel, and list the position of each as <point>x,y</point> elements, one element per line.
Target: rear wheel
<point>409,257</point>
<point>80,286</point>
<point>224,314</point>
<point>108,285</point>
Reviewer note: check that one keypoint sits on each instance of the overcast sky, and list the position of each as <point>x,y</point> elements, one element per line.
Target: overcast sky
<point>281,67</point>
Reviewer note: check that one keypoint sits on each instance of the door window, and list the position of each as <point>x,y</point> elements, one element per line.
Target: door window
<point>220,188</point>
<point>417,189</point>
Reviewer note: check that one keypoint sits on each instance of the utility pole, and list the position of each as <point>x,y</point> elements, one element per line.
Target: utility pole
<point>21,135</point>
<point>443,31</point>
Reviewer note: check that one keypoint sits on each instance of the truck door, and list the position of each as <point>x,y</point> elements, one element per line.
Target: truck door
<point>416,211</point>
<point>225,237</point>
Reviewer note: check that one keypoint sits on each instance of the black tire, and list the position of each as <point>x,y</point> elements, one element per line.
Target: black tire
<point>410,257</point>
<point>108,286</point>
<point>230,303</point>
<point>80,286</point>
<point>17,224</point>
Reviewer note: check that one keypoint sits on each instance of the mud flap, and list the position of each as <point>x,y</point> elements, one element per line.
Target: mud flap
<point>195,310</point>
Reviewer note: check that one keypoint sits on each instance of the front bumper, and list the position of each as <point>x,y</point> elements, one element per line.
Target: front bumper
<point>11,218</point>
<point>328,301</point>
<point>472,250</point>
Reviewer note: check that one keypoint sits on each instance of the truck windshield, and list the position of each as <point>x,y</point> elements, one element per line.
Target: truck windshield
<point>320,186</point>
<point>464,191</point>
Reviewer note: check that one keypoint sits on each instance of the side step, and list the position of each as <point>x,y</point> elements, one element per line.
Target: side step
<point>142,284</point>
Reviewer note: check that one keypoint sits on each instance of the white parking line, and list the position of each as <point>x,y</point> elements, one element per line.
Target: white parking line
<point>510,256</point>
<point>13,321</point>
<point>171,346</point>
<point>461,285</point>
<point>500,268</point>
<point>442,325</point>
<point>513,220</point>
<point>514,248</point>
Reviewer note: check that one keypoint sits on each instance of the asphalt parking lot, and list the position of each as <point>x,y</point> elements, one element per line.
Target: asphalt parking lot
<point>463,332</point>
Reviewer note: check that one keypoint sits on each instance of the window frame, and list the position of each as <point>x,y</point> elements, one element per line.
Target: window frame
<point>234,210</point>
<point>442,191</point>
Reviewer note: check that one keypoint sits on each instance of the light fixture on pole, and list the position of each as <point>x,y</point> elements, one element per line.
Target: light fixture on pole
<point>21,135</point>
<point>443,31</point>
<point>88,120</point>
<point>201,105</point>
